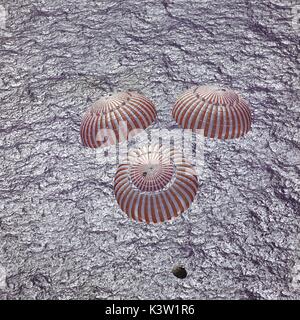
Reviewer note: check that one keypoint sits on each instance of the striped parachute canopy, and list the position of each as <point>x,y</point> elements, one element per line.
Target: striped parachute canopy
<point>112,118</point>
<point>155,184</point>
<point>220,113</point>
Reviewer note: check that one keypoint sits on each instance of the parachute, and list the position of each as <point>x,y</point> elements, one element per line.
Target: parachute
<point>155,184</point>
<point>220,112</point>
<point>112,118</point>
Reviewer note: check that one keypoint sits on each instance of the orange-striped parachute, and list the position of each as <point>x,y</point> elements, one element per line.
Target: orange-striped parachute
<point>155,184</point>
<point>220,112</point>
<point>112,118</point>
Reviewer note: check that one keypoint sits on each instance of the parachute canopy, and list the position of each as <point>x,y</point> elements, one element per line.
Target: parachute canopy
<point>112,118</point>
<point>155,184</point>
<point>220,112</point>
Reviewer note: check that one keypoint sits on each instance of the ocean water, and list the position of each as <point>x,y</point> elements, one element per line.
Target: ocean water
<point>62,235</point>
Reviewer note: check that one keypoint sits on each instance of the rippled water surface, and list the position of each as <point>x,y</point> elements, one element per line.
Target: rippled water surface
<point>61,233</point>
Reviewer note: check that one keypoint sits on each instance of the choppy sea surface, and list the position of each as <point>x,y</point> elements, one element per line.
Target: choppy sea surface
<point>62,235</point>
